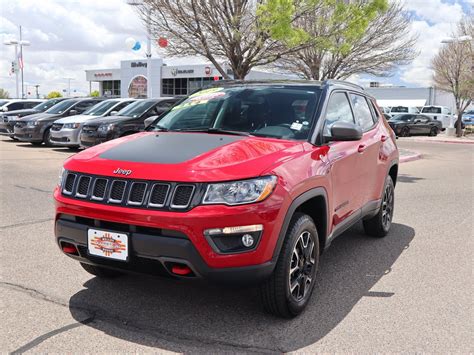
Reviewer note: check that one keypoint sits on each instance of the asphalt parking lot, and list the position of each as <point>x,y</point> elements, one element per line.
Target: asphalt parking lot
<point>409,292</point>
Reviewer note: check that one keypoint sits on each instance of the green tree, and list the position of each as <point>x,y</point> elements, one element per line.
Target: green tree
<point>95,93</point>
<point>337,39</point>
<point>4,94</point>
<point>53,94</point>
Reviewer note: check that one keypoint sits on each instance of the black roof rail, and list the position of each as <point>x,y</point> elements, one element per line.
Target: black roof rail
<point>342,82</point>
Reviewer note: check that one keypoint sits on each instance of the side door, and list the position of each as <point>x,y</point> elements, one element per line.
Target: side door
<point>343,158</point>
<point>368,149</point>
<point>424,125</point>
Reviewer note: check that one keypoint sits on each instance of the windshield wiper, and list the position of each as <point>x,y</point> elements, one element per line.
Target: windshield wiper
<point>159,128</point>
<point>213,131</point>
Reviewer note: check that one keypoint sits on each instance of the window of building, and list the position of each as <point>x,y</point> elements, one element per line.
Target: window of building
<point>184,86</point>
<point>111,88</point>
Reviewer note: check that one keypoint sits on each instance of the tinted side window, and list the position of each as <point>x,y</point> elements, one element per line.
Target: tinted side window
<point>30,104</point>
<point>375,110</point>
<point>362,112</point>
<point>16,106</point>
<point>338,109</point>
<point>122,105</point>
<point>423,119</point>
<point>84,105</point>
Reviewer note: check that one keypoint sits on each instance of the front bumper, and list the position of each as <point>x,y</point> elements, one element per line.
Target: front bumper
<point>155,237</point>
<point>28,134</point>
<point>91,138</point>
<point>66,137</point>
<point>6,128</point>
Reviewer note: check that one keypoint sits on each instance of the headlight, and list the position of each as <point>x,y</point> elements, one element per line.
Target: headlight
<point>33,123</point>
<point>106,127</point>
<point>71,125</point>
<point>62,174</point>
<point>240,192</point>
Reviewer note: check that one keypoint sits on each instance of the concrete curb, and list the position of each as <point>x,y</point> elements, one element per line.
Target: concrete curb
<point>412,157</point>
<point>444,141</point>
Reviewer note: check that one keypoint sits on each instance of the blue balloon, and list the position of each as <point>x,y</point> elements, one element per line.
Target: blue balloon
<point>137,46</point>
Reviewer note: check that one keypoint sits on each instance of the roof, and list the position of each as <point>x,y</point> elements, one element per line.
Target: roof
<point>301,82</point>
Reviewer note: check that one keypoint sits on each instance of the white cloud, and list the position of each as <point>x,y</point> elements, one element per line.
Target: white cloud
<point>435,20</point>
<point>66,38</point>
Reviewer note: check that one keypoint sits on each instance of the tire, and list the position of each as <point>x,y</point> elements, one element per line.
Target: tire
<point>405,132</point>
<point>275,293</point>
<point>47,138</point>
<point>101,272</point>
<point>433,132</point>
<point>379,225</point>
<point>36,144</point>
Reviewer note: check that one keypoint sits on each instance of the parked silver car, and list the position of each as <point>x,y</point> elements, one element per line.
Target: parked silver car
<point>65,132</point>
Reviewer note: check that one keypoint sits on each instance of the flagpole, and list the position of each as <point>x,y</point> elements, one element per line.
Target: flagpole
<point>21,67</point>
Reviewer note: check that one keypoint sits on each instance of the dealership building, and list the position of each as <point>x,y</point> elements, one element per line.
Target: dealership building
<point>130,80</point>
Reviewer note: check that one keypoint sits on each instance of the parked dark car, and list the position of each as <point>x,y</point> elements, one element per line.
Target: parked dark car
<point>36,128</point>
<point>129,120</point>
<point>8,119</point>
<point>410,124</point>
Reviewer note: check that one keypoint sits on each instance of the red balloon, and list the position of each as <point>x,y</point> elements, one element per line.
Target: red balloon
<point>162,42</point>
<point>216,78</point>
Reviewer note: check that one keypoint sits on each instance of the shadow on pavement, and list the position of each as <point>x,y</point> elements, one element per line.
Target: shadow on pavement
<point>408,178</point>
<point>180,316</point>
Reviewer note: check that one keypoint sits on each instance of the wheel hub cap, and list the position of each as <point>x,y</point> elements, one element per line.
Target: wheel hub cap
<point>302,266</point>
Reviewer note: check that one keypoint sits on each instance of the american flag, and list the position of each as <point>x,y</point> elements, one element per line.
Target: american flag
<point>20,60</point>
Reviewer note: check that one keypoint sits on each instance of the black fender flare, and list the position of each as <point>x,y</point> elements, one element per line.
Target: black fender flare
<point>306,196</point>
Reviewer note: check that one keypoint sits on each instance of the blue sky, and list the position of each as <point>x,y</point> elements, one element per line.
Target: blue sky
<point>69,36</point>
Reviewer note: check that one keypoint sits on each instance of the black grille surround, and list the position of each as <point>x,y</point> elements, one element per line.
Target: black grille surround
<point>133,193</point>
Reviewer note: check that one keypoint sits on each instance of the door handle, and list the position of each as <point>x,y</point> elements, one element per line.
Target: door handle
<point>361,148</point>
<point>383,138</point>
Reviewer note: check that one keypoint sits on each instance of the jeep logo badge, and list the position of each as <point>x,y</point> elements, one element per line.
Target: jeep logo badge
<point>119,171</point>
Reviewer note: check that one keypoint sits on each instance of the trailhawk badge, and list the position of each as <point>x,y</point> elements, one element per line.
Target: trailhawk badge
<point>119,171</point>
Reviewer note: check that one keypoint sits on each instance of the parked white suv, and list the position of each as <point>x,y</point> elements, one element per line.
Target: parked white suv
<point>18,104</point>
<point>440,113</point>
<point>396,110</point>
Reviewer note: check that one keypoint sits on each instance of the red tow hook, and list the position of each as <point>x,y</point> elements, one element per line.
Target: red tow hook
<point>181,269</point>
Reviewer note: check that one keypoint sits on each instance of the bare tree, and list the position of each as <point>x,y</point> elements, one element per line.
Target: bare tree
<point>219,30</point>
<point>384,45</point>
<point>454,69</point>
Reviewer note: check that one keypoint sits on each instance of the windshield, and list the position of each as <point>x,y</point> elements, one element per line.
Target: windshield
<point>470,112</point>
<point>431,110</point>
<point>402,118</point>
<point>399,109</point>
<point>61,107</point>
<point>100,108</point>
<point>269,111</point>
<point>45,105</point>
<point>3,102</point>
<point>136,109</point>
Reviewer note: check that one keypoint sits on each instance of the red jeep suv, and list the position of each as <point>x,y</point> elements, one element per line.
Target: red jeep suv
<point>245,181</point>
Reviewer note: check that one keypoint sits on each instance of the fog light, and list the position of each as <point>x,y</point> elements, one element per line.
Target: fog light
<point>247,240</point>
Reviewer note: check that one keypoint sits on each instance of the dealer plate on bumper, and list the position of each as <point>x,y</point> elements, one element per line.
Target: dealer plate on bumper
<point>106,244</point>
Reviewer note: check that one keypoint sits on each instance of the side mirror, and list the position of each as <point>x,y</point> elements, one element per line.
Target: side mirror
<point>113,113</point>
<point>5,109</point>
<point>149,121</point>
<point>72,112</point>
<point>345,131</point>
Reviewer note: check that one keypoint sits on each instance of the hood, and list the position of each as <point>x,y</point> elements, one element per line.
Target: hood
<point>75,119</point>
<point>41,117</point>
<point>192,157</point>
<point>109,119</point>
<point>20,113</point>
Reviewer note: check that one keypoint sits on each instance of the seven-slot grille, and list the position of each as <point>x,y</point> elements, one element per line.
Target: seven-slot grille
<point>144,194</point>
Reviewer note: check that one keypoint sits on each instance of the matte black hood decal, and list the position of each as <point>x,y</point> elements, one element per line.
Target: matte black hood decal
<point>167,148</point>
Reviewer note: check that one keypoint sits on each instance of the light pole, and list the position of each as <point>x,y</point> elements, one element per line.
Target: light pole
<point>69,86</point>
<point>19,63</point>
<point>148,46</point>
<point>37,91</point>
